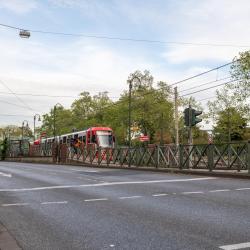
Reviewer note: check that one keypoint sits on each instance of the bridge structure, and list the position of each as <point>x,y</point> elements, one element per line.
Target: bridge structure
<point>227,156</point>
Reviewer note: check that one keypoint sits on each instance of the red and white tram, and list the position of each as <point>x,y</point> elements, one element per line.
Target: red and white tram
<point>99,136</point>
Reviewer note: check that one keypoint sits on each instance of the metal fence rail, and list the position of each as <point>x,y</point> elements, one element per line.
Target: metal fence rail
<point>233,156</point>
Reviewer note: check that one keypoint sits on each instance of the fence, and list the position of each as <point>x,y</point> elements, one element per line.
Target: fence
<point>233,156</point>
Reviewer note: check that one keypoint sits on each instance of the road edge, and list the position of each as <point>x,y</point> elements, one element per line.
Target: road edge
<point>7,241</point>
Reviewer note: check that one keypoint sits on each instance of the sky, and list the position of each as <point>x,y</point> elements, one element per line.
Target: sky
<point>58,65</point>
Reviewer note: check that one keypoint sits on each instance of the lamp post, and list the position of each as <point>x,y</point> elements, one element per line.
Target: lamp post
<point>129,116</point>
<point>39,119</point>
<point>54,120</point>
<point>27,125</point>
<point>21,143</point>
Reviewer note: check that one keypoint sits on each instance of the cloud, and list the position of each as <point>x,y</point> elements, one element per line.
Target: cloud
<point>18,6</point>
<point>211,22</point>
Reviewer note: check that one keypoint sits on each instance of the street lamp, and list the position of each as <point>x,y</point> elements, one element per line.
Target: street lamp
<point>54,127</point>
<point>27,125</point>
<point>39,119</point>
<point>24,33</point>
<point>129,116</point>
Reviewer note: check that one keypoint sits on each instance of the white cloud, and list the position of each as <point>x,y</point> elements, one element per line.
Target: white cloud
<point>18,6</point>
<point>214,22</point>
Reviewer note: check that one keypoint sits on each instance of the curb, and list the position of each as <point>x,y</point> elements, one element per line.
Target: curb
<point>223,174</point>
<point>7,241</point>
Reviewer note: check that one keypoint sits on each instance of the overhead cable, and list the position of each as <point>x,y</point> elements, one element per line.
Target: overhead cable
<point>124,38</point>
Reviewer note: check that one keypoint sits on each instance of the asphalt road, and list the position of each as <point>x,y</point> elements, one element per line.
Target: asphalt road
<point>67,207</point>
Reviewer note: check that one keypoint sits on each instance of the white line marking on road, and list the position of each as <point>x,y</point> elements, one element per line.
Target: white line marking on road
<point>197,192</point>
<point>5,175</point>
<point>86,171</point>
<point>112,245</point>
<point>106,184</point>
<point>15,204</point>
<point>236,246</point>
<point>240,189</point>
<point>130,197</point>
<point>53,202</point>
<point>173,193</point>
<point>101,199</point>
<point>219,190</point>
<point>157,195</point>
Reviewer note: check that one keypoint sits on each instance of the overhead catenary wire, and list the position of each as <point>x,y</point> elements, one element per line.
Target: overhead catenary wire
<point>125,38</point>
<point>218,85</point>
<point>19,99</point>
<point>206,83</point>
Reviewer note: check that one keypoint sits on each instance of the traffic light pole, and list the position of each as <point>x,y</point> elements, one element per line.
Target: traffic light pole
<point>176,117</point>
<point>190,137</point>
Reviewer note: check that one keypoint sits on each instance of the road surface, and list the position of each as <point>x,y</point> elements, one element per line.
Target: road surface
<point>68,207</point>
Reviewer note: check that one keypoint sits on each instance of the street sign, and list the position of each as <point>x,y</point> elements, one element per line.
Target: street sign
<point>144,138</point>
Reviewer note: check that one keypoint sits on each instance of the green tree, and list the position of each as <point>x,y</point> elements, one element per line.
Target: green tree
<point>230,126</point>
<point>240,72</point>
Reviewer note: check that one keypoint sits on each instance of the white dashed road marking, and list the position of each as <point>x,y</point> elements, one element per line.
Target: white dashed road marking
<point>15,204</point>
<point>86,171</point>
<point>241,189</point>
<point>236,246</point>
<point>157,195</point>
<point>101,199</point>
<point>53,202</point>
<point>219,190</point>
<point>130,197</point>
<point>5,175</point>
<point>197,192</point>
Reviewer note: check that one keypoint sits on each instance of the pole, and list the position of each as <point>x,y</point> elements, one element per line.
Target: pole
<point>34,127</point>
<point>176,117</point>
<point>129,123</point>
<point>54,123</point>
<point>190,137</point>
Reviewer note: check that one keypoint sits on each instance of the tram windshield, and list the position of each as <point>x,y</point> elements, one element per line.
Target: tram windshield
<point>105,138</point>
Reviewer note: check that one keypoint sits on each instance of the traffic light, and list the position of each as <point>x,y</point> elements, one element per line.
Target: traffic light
<point>187,117</point>
<point>190,117</point>
<point>195,119</point>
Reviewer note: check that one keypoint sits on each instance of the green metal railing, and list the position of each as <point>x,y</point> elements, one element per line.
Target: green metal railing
<point>232,156</point>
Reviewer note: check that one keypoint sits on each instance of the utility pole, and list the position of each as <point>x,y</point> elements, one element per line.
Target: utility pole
<point>176,117</point>
<point>190,137</point>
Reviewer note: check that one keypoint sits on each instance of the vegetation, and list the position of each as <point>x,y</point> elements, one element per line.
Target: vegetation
<point>231,109</point>
<point>152,111</point>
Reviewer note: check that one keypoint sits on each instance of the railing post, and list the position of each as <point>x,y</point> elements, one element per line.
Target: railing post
<point>108,156</point>
<point>99,156</point>
<point>210,155</point>
<point>156,156</point>
<point>181,156</point>
<point>248,157</point>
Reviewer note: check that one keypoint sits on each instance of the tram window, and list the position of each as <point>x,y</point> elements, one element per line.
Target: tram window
<point>76,136</point>
<point>84,139</point>
<point>64,139</point>
<point>80,138</point>
<point>93,138</point>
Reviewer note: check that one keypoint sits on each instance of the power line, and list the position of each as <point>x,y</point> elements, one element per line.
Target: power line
<point>16,115</point>
<point>201,90</point>
<point>20,100</point>
<point>203,73</point>
<point>203,84</point>
<point>46,95</point>
<point>126,39</point>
